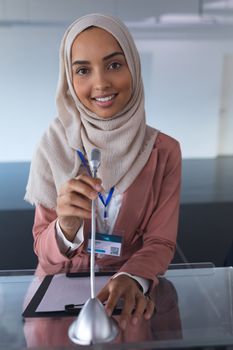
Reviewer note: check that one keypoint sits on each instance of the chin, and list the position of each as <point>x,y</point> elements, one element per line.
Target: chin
<point>105,115</point>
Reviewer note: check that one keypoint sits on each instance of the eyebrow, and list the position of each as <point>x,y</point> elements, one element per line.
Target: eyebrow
<point>113,54</point>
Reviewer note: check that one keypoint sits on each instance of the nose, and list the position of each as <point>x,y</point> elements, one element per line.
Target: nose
<point>101,81</point>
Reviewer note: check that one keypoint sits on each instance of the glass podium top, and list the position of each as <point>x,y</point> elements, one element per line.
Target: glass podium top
<point>193,309</point>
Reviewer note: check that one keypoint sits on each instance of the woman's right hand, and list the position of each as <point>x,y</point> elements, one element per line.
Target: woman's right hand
<point>74,203</point>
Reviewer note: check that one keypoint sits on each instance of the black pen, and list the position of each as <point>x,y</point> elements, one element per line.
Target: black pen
<point>73,307</point>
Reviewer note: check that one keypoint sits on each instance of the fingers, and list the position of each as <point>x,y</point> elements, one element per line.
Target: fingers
<point>150,308</point>
<point>75,196</point>
<point>83,184</point>
<point>112,292</point>
<point>126,314</point>
<point>136,305</point>
<point>74,203</point>
<point>103,294</point>
<point>144,307</point>
<point>111,295</point>
<point>140,307</point>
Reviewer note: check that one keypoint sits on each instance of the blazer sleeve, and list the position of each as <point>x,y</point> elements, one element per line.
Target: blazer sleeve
<point>160,231</point>
<point>51,260</point>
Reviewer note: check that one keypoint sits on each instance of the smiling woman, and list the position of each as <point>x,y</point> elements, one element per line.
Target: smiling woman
<point>100,104</point>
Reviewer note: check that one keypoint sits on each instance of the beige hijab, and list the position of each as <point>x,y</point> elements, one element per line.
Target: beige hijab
<point>125,141</point>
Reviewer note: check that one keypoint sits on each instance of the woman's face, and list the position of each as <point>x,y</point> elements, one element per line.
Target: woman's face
<point>101,77</point>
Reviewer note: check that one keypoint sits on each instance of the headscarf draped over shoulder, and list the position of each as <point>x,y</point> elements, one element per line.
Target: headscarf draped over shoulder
<point>125,141</point>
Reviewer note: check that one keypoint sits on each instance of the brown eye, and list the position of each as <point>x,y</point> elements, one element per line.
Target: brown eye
<point>115,65</point>
<point>82,71</point>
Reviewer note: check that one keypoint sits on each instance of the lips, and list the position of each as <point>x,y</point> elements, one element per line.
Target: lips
<point>105,98</point>
<point>104,101</point>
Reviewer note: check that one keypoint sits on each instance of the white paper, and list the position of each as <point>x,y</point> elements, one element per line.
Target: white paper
<point>64,290</point>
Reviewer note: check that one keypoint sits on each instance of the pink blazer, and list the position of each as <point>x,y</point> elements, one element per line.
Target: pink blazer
<point>148,216</point>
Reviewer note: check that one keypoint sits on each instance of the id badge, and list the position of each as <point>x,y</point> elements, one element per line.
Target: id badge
<point>106,244</point>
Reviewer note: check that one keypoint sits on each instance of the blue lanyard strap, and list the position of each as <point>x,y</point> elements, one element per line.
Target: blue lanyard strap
<point>84,162</point>
<point>109,197</point>
<point>110,193</point>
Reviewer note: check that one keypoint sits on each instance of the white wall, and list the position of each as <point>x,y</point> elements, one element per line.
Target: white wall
<point>182,78</point>
<point>183,92</point>
<point>28,71</point>
<point>225,130</point>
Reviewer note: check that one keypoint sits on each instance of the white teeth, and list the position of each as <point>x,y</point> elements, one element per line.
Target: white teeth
<point>104,99</point>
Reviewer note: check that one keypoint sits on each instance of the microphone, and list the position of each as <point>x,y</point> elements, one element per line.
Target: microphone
<point>86,329</point>
<point>95,161</point>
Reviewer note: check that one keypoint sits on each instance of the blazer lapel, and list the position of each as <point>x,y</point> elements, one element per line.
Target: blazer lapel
<point>136,196</point>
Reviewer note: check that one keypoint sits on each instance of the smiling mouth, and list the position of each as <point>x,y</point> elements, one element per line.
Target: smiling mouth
<point>105,98</point>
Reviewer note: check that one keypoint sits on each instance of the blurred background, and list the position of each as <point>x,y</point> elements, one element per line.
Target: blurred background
<point>186,49</point>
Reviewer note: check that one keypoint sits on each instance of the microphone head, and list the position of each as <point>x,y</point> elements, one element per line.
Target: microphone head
<point>95,159</point>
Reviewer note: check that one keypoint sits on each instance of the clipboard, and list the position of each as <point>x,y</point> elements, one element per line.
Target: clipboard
<point>31,309</point>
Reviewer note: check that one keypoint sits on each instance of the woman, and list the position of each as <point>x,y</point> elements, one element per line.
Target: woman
<point>100,104</point>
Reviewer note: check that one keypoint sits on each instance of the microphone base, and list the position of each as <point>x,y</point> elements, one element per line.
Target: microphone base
<point>93,325</point>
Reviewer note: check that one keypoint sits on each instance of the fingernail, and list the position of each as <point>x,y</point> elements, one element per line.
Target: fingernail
<point>123,324</point>
<point>135,320</point>
<point>108,312</point>
<point>147,316</point>
<point>98,188</point>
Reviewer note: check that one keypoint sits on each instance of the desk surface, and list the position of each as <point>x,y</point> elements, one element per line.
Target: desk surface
<point>194,308</point>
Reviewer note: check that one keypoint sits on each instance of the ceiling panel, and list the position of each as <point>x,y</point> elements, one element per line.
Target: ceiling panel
<point>148,18</point>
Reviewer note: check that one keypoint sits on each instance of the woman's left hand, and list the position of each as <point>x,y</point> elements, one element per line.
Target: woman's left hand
<point>135,303</point>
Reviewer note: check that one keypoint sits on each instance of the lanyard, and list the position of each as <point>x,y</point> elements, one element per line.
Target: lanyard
<point>107,201</point>
<point>109,196</point>
<point>84,162</point>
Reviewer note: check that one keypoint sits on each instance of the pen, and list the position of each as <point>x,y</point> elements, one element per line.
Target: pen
<point>72,307</point>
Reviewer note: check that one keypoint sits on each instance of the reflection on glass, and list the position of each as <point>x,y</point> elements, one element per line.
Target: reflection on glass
<point>165,323</point>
